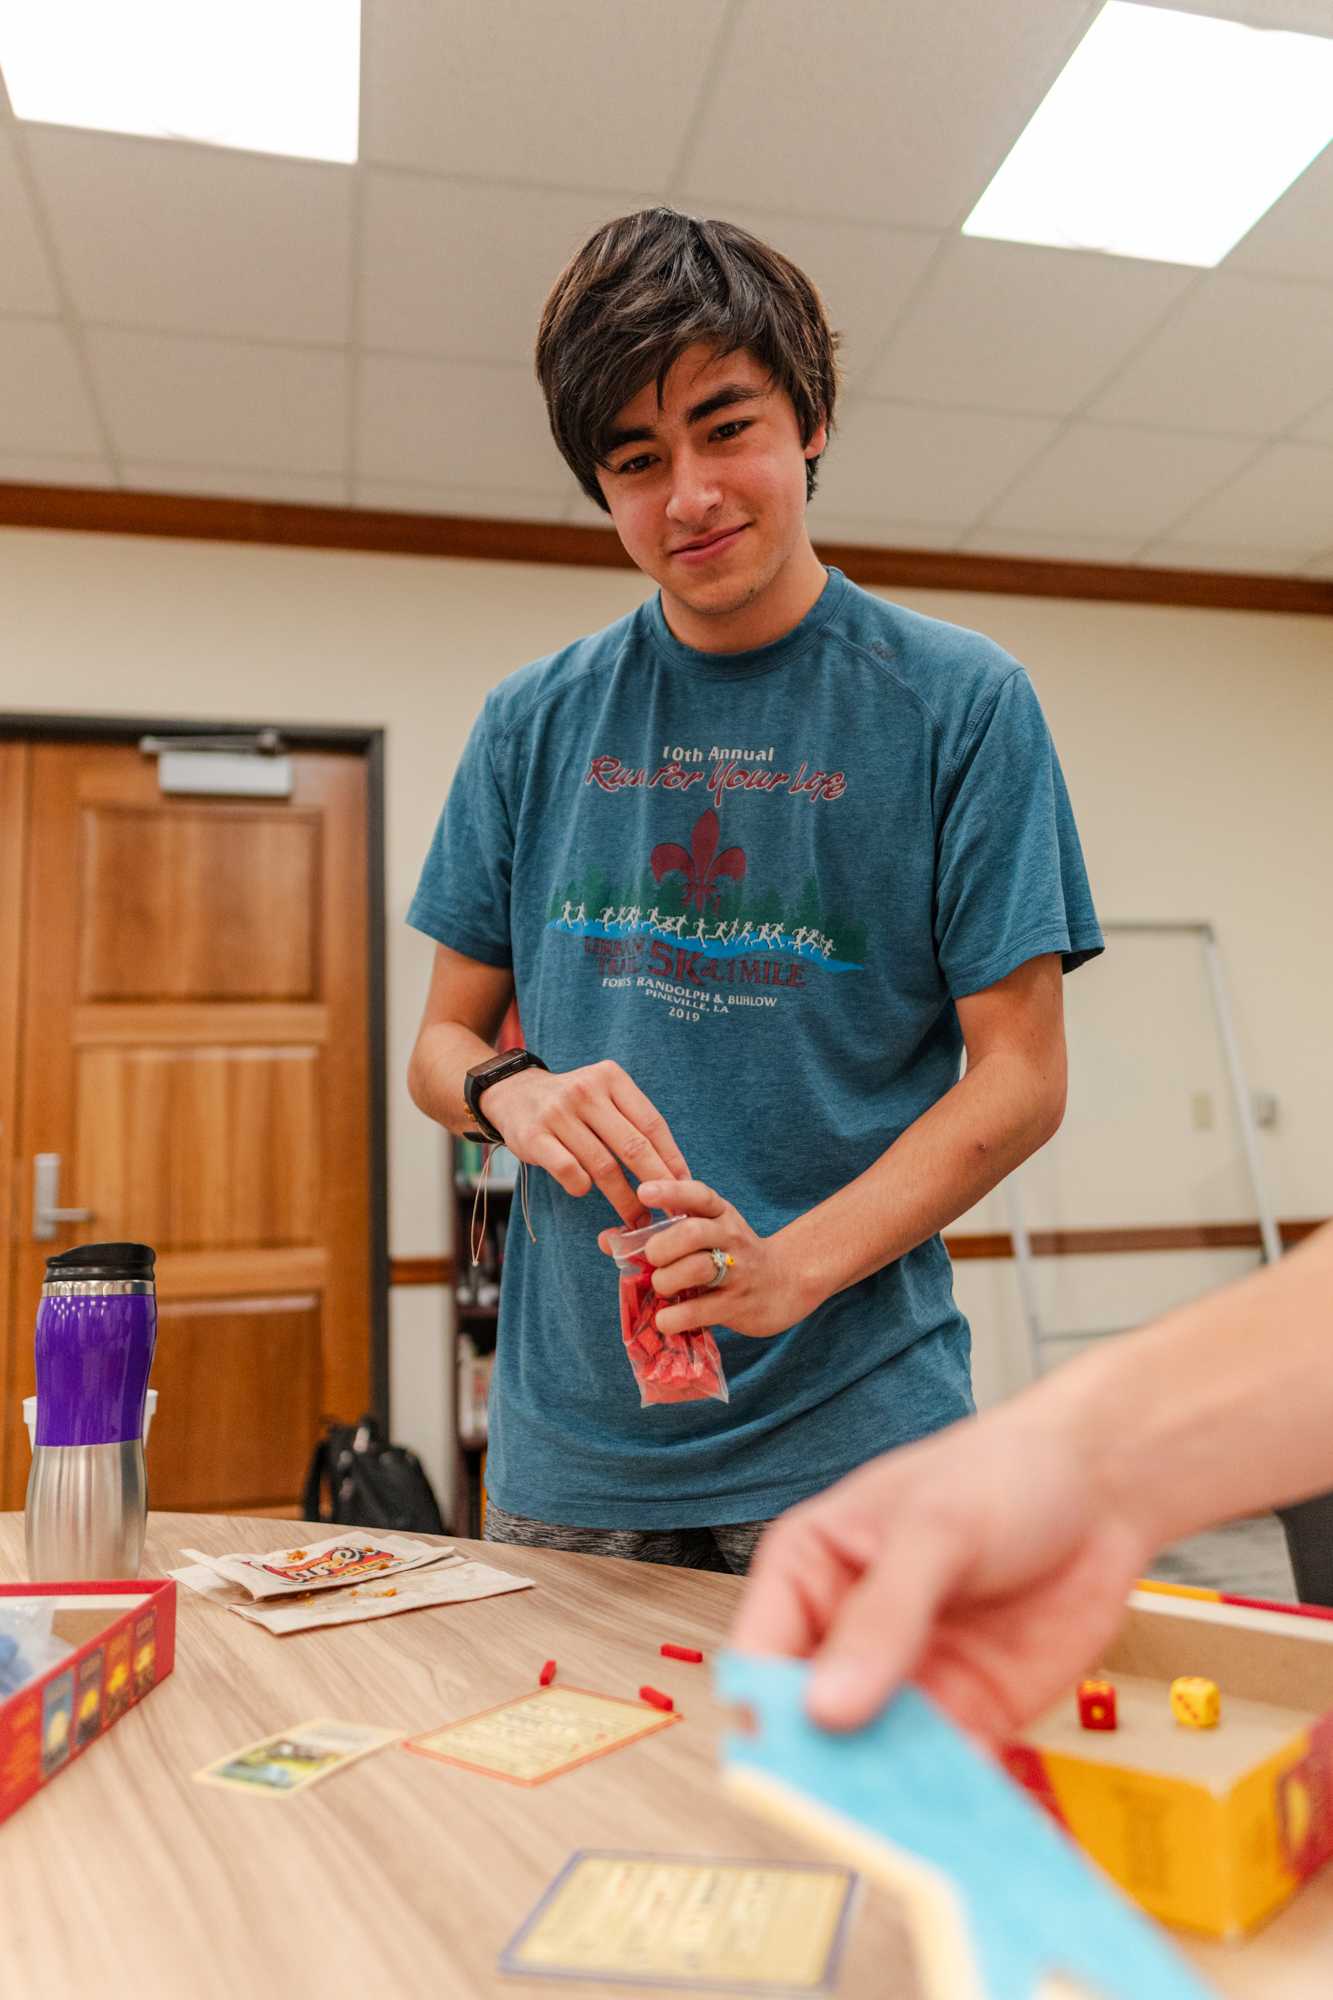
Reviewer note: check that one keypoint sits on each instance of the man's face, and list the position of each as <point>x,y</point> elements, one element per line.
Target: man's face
<point>707,491</point>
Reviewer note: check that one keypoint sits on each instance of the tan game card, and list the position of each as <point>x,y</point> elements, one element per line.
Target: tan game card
<point>750,1926</point>
<point>541,1735</point>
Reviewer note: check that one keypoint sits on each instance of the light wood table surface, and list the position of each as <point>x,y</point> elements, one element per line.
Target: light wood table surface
<point>402,1877</point>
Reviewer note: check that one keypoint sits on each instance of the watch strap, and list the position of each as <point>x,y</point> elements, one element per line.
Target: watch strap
<point>510,1062</point>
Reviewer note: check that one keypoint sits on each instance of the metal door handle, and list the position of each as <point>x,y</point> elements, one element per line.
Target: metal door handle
<point>47,1213</point>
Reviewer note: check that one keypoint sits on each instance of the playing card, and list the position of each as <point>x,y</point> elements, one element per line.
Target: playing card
<point>551,1730</point>
<point>292,1761</point>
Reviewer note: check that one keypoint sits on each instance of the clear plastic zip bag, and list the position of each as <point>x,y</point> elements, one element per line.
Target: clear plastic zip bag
<point>668,1367</point>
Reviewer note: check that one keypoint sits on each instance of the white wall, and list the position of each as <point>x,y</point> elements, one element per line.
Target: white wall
<point>1196,745</point>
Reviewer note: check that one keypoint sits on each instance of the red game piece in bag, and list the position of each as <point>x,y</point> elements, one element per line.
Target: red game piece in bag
<point>668,1367</point>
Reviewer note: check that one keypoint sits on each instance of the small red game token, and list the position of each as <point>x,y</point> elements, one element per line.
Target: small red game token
<point>656,1697</point>
<point>691,1653</point>
<point>547,1674</point>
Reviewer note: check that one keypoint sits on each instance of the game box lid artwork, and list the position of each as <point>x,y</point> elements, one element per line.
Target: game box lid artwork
<point>1214,1827</point>
<point>117,1641</point>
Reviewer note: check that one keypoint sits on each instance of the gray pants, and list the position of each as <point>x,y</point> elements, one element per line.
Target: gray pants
<point>726,1548</point>
<point>1309,1529</point>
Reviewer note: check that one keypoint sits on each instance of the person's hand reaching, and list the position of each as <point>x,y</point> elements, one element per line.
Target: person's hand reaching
<point>980,1564</point>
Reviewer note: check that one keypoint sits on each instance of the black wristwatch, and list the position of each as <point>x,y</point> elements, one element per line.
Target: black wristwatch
<point>493,1070</point>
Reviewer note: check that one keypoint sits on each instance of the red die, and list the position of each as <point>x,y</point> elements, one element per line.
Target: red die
<point>1096,1704</point>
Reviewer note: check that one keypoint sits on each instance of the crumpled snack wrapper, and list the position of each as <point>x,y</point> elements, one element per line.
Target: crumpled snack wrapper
<point>453,1579</point>
<point>356,1556</point>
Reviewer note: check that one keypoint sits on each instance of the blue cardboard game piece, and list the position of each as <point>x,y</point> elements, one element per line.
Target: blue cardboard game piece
<point>1011,1900</point>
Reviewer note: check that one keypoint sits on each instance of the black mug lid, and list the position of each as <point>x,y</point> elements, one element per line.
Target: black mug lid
<point>101,1260</point>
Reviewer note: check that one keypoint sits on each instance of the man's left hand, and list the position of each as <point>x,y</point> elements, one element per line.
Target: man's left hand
<point>760,1293</point>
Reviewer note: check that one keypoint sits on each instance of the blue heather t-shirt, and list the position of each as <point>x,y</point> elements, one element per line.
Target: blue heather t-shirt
<point>758,881</point>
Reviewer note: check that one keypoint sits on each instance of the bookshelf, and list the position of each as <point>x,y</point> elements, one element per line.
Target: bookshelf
<point>476,1315</point>
<point>477,1301</point>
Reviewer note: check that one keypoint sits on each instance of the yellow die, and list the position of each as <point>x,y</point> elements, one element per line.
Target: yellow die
<point>1196,1702</point>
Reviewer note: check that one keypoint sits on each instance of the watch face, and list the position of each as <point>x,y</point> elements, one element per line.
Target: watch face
<point>494,1068</point>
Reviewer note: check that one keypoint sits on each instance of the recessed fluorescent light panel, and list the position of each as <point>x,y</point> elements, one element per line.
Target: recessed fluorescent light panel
<point>1166,136</point>
<point>270,76</point>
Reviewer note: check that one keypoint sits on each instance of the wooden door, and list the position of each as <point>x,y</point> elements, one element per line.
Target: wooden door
<point>193,1042</point>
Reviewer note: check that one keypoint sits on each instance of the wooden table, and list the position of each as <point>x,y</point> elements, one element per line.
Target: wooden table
<point>403,1877</point>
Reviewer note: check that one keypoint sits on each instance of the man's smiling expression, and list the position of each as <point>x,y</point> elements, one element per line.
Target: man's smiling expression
<point>707,491</point>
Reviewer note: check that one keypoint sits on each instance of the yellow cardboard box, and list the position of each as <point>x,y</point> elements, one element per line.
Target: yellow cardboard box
<point>1212,1829</point>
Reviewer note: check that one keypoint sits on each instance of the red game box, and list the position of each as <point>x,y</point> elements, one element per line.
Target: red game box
<point>123,1637</point>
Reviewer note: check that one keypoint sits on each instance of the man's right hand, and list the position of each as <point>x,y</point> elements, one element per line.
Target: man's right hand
<point>590,1127</point>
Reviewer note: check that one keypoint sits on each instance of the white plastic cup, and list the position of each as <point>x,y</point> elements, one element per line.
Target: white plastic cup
<point>30,1416</point>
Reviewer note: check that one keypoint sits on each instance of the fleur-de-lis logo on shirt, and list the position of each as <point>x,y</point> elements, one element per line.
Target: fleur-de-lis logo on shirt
<point>700,864</point>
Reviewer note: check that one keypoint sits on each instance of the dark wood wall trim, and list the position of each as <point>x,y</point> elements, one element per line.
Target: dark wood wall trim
<point>1116,1242</point>
<point>421,1270</point>
<point>975,1245</point>
<point>98,510</point>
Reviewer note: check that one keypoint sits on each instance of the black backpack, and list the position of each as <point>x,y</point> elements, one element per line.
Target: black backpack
<point>368,1483</point>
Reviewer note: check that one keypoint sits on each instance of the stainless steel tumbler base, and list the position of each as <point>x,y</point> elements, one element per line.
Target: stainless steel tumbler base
<point>87,1511</point>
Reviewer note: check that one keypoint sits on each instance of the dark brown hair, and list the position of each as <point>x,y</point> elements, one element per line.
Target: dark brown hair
<point>647,286</point>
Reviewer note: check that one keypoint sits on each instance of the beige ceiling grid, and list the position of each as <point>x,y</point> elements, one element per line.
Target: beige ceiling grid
<point>179,319</point>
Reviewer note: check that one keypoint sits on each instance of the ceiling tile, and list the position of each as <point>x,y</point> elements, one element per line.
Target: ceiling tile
<point>1301,17</point>
<point>1295,238</point>
<point>311,488</point>
<point>44,403</point>
<point>169,399</point>
<point>1242,354</point>
<point>25,276</point>
<point>42,469</point>
<point>433,283</point>
<point>1025,542</point>
<point>1319,429</point>
<point>214,288</point>
<point>1006,327</point>
<point>568,95</point>
<point>441,423</point>
<point>1116,482</point>
<point>1283,500</point>
<point>219,242</point>
<point>1205,555</point>
<point>885,113</point>
<point>485,503</point>
<point>891,461</point>
<point>865,274</point>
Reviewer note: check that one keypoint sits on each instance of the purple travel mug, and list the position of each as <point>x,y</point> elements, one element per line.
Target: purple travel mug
<point>88,1491</point>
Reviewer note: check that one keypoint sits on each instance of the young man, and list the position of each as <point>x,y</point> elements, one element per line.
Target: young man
<point>992,1564</point>
<point>761,860</point>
